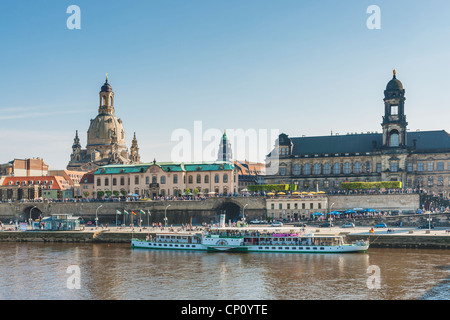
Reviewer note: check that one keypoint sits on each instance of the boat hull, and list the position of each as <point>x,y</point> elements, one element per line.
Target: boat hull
<point>142,244</point>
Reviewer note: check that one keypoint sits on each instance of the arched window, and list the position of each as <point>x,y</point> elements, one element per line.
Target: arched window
<point>190,179</point>
<point>163,180</point>
<point>216,178</point>
<point>175,178</point>
<point>394,140</point>
<point>326,168</point>
<point>206,179</point>
<point>296,169</point>
<point>357,167</point>
<point>199,178</point>
<point>316,168</point>
<point>225,178</point>
<point>306,169</point>
<point>347,167</point>
<point>336,168</point>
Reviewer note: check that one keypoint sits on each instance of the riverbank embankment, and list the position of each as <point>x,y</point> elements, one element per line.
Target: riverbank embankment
<point>381,238</point>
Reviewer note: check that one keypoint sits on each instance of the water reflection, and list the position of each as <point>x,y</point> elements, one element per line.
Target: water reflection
<point>38,271</point>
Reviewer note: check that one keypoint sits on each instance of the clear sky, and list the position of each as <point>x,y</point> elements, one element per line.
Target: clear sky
<point>301,67</point>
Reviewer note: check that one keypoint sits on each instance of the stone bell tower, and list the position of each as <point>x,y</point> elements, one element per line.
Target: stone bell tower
<point>394,120</point>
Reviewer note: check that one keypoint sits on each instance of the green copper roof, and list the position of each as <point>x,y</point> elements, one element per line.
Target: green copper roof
<point>166,166</point>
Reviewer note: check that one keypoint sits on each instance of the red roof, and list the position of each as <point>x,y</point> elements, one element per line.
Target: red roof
<point>48,182</point>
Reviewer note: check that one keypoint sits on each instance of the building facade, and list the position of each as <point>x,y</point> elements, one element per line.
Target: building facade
<point>35,187</point>
<point>419,159</point>
<point>24,168</point>
<point>250,173</point>
<point>105,139</point>
<point>296,207</point>
<point>151,180</point>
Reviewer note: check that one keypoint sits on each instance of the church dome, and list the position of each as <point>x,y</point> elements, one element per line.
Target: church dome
<point>394,84</point>
<point>103,128</point>
<point>106,87</point>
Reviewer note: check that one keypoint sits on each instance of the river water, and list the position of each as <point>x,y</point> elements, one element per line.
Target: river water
<point>55,271</point>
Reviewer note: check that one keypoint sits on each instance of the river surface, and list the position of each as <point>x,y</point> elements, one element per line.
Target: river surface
<point>55,271</point>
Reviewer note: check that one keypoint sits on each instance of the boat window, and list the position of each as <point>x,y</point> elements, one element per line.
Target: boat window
<point>307,248</point>
<point>300,248</point>
<point>294,248</point>
<point>322,248</point>
<point>259,247</point>
<point>273,248</point>
<point>165,245</point>
<point>267,248</point>
<point>280,248</point>
<point>182,245</point>
<point>314,248</point>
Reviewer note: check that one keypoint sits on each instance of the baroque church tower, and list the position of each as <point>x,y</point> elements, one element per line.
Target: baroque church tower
<point>105,138</point>
<point>394,121</point>
<point>225,153</point>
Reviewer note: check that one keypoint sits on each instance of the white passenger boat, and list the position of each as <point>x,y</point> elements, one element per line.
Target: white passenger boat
<point>251,241</point>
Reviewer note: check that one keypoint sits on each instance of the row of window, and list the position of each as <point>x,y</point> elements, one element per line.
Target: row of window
<point>162,180</point>
<point>430,166</point>
<point>31,182</point>
<point>358,167</point>
<point>326,168</point>
<point>295,206</point>
<point>175,192</point>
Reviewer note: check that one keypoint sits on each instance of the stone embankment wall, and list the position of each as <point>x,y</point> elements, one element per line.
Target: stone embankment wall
<point>101,236</point>
<point>383,202</point>
<point>404,241</point>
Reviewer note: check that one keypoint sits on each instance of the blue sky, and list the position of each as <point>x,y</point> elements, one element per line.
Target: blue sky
<point>302,67</point>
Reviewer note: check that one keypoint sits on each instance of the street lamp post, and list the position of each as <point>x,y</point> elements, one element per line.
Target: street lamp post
<point>331,219</point>
<point>165,216</point>
<point>243,212</point>
<point>30,220</point>
<point>429,220</point>
<point>96,216</point>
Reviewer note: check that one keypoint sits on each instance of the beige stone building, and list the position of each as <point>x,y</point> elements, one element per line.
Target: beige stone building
<point>418,159</point>
<point>105,139</point>
<point>24,168</point>
<point>151,180</point>
<point>296,207</point>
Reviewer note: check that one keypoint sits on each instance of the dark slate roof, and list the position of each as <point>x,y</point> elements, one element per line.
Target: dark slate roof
<point>360,143</point>
<point>429,140</point>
